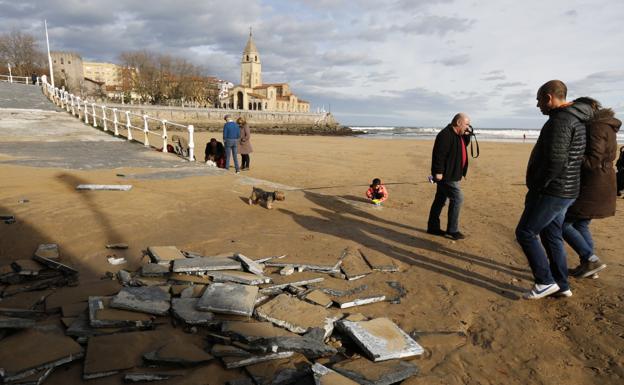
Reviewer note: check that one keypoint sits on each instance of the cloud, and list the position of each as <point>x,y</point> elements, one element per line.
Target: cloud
<point>456,60</point>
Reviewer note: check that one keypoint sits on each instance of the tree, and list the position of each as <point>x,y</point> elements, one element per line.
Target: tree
<point>21,51</point>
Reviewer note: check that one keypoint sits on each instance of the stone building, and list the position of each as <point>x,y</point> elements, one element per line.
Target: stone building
<point>108,73</point>
<point>252,94</point>
<point>68,70</point>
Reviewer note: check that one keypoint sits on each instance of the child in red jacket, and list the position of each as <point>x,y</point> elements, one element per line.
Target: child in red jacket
<point>377,192</point>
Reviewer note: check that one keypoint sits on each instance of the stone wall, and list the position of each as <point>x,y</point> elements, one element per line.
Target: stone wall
<point>211,119</point>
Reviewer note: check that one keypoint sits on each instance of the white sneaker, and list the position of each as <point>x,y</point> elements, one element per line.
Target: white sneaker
<point>540,291</point>
<point>563,293</point>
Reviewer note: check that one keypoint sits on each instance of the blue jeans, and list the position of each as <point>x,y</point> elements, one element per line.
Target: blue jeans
<point>231,151</point>
<point>544,215</point>
<point>576,233</point>
<point>452,192</point>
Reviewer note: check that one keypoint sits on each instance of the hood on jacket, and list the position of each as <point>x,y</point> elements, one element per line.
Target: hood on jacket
<point>607,116</point>
<point>582,111</point>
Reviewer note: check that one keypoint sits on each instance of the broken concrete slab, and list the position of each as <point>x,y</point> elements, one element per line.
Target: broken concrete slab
<point>204,264</point>
<point>280,372</point>
<point>154,270</point>
<point>299,279</point>
<point>381,339</point>
<point>309,346</point>
<point>149,376</point>
<point>185,310</point>
<point>193,291</point>
<point>251,332</point>
<point>177,354</point>
<point>48,250</point>
<point>81,293</point>
<point>355,300</point>
<point>250,265</point>
<point>150,299</point>
<point>317,297</point>
<point>239,362</point>
<point>401,292</point>
<point>54,264</point>
<point>229,298</point>
<point>116,260</point>
<point>366,372</point>
<point>287,270</point>
<point>102,316</point>
<point>15,323</point>
<point>124,277</point>
<point>326,376</point>
<point>119,246</point>
<point>104,187</point>
<point>265,259</point>
<point>36,378</point>
<point>21,354</point>
<point>311,264</point>
<point>296,315</point>
<point>81,329</point>
<point>74,309</point>
<point>356,317</point>
<point>187,278</point>
<point>164,254</point>
<point>21,313</point>
<point>378,261</point>
<point>150,281</point>
<point>238,277</point>
<point>26,267</point>
<point>353,265</point>
<point>219,350</point>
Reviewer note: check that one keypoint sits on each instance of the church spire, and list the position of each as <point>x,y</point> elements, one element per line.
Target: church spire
<point>251,46</point>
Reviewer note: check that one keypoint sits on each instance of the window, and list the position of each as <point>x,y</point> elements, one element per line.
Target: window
<point>247,57</point>
<point>62,61</point>
<point>69,62</point>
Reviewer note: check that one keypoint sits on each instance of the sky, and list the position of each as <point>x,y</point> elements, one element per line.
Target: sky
<point>372,63</point>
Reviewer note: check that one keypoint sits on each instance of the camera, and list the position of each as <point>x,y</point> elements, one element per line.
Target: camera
<point>470,130</point>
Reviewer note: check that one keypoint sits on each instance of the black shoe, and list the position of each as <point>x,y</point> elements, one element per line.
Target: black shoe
<point>436,232</point>
<point>456,236</point>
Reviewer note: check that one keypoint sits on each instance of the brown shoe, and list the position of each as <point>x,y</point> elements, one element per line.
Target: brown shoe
<point>587,269</point>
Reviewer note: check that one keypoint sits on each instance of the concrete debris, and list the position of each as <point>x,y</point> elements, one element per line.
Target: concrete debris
<point>15,323</point>
<point>121,246</point>
<point>401,292</point>
<point>204,264</point>
<point>74,309</point>
<point>48,250</point>
<point>193,291</point>
<point>250,265</point>
<point>295,315</point>
<point>219,350</point>
<point>72,295</point>
<point>113,260</point>
<point>187,278</point>
<point>378,261</point>
<point>37,378</point>
<point>54,264</point>
<point>21,353</point>
<point>154,270</point>
<point>287,270</point>
<point>341,293</point>
<point>21,313</point>
<point>124,277</point>
<point>303,279</point>
<point>266,259</point>
<point>350,301</point>
<point>317,297</point>
<point>185,310</point>
<point>353,265</point>
<point>280,372</point>
<point>104,187</point>
<point>311,347</point>
<point>164,254</point>
<point>150,299</point>
<point>102,316</point>
<point>239,362</point>
<point>251,332</point>
<point>365,372</point>
<point>26,267</point>
<point>148,377</point>
<point>176,354</point>
<point>381,339</point>
<point>307,266</point>
<point>325,376</point>
<point>238,277</point>
<point>229,298</point>
<point>356,317</point>
<point>296,290</point>
<point>81,329</point>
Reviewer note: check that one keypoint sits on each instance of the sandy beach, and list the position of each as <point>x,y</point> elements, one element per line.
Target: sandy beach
<point>471,286</point>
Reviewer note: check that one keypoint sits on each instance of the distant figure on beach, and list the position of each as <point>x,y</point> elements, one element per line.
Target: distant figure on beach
<point>553,178</point>
<point>244,147</point>
<point>231,135</point>
<point>524,137</point>
<point>620,172</point>
<point>449,164</point>
<point>33,78</point>
<point>215,152</point>
<point>597,196</point>
<point>377,192</point>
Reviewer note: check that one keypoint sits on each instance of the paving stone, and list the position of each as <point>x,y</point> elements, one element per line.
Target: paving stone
<point>21,353</point>
<point>81,329</point>
<point>355,300</point>
<point>48,250</point>
<point>151,281</point>
<point>326,376</point>
<point>378,261</point>
<point>366,372</point>
<point>381,339</point>
<point>310,346</point>
<point>81,293</point>
<point>296,315</point>
<point>193,291</point>
<point>229,298</point>
<point>154,270</point>
<point>238,277</point>
<point>185,309</point>
<point>353,265</point>
<point>179,355</point>
<point>317,297</point>
<point>15,323</point>
<point>150,300</point>
<point>55,264</point>
<point>280,372</point>
<point>219,350</point>
<point>254,331</point>
<point>250,265</point>
<point>187,278</point>
<point>239,362</point>
<point>26,267</point>
<point>102,316</point>
<point>204,264</point>
<point>164,254</point>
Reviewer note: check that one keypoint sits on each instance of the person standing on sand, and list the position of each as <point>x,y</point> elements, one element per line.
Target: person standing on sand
<point>245,142</point>
<point>598,188</point>
<point>231,135</point>
<point>553,178</point>
<point>449,164</point>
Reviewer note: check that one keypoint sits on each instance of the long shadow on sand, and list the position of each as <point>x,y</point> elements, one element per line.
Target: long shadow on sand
<point>345,221</point>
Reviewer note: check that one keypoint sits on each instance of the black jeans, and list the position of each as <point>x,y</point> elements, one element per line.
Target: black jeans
<point>245,160</point>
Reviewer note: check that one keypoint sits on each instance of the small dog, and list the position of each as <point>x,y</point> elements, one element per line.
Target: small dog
<point>266,197</point>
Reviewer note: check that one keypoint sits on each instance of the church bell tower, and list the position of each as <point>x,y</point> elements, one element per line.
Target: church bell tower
<point>251,69</point>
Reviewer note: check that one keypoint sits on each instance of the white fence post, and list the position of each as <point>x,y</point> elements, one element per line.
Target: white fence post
<point>73,105</point>
<point>145,131</point>
<point>164,135</point>
<point>93,110</point>
<point>128,125</point>
<point>115,122</point>
<point>67,101</point>
<point>191,142</point>
<point>86,112</point>
<point>104,117</point>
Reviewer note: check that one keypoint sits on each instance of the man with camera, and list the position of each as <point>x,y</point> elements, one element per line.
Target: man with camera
<point>449,164</point>
<point>553,178</point>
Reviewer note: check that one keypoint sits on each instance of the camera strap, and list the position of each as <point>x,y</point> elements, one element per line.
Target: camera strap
<point>472,150</point>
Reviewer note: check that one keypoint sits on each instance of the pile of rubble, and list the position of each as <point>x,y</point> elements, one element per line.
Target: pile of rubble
<point>276,320</point>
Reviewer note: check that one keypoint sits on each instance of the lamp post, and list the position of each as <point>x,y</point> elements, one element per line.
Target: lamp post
<point>10,76</point>
<point>45,22</point>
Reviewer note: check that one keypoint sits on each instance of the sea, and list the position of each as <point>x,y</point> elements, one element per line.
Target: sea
<point>428,133</point>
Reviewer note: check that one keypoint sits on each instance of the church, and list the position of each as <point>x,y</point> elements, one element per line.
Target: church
<point>252,94</point>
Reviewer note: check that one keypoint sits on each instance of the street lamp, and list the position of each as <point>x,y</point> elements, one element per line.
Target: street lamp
<point>10,76</point>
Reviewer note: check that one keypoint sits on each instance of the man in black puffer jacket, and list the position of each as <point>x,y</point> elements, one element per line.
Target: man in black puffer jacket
<point>553,178</point>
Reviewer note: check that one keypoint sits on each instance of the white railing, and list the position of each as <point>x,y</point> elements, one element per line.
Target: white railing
<point>17,79</point>
<point>116,120</point>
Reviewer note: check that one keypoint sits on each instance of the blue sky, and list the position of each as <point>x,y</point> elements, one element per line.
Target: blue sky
<point>401,62</point>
